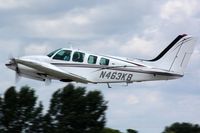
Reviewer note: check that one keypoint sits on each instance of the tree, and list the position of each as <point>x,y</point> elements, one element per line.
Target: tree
<point>19,111</point>
<point>73,110</point>
<point>109,130</point>
<point>131,131</point>
<point>1,115</point>
<point>38,122</point>
<point>182,128</point>
<point>9,107</point>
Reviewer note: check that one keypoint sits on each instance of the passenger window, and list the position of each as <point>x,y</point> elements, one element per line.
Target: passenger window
<point>104,61</point>
<point>92,59</point>
<point>78,57</point>
<point>63,55</point>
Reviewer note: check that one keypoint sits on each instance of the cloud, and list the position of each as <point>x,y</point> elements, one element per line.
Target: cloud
<point>9,48</point>
<point>138,45</point>
<point>70,25</point>
<point>131,100</point>
<point>37,49</point>
<point>12,4</point>
<point>83,23</point>
<point>144,109</point>
<point>177,10</point>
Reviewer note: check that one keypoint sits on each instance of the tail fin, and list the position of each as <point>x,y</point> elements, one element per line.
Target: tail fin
<point>175,57</point>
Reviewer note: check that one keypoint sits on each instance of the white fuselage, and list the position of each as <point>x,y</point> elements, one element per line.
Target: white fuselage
<point>75,65</point>
<point>116,71</point>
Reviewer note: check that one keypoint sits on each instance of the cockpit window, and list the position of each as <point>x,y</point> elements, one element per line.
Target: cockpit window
<point>104,61</point>
<point>52,53</point>
<point>63,55</point>
<point>92,59</point>
<point>78,57</point>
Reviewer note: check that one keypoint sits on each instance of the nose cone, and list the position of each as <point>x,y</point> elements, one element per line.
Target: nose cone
<point>11,64</point>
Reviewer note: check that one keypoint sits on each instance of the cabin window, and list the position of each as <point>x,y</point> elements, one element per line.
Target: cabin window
<point>104,61</point>
<point>52,53</point>
<point>78,57</point>
<point>92,59</point>
<point>63,55</point>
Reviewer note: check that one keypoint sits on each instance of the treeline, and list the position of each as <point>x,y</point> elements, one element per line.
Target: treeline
<point>71,110</point>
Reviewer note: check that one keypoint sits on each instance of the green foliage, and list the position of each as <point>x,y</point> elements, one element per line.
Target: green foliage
<point>109,130</point>
<point>182,128</point>
<point>1,114</point>
<point>131,131</point>
<point>73,110</point>
<point>38,122</point>
<point>18,111</point>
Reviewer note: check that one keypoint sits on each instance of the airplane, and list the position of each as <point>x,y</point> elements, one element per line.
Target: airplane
<point>72,65</point>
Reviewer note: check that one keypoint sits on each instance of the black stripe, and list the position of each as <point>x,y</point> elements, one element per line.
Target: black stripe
<point>90,65</point>
<point>168,48</point>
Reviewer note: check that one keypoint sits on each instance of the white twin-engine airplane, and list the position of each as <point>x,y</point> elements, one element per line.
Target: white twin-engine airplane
<point>69,65</point>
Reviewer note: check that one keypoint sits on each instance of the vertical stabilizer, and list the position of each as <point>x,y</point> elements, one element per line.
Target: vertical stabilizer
<point>176,55</point>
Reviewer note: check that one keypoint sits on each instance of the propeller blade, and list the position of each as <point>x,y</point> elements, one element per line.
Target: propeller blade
<point>17,77</point>
<point>47,81</point>
<point>16,65</point>
<point>17,70</point>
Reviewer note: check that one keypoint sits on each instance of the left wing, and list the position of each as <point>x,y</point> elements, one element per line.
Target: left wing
<point>51,70</point>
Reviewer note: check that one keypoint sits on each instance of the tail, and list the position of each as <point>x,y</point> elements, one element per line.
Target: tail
<point>175,57</point>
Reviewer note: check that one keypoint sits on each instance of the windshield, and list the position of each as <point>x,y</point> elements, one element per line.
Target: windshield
<point>52,53</point>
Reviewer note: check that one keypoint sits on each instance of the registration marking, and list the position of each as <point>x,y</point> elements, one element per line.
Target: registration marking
<point>116,75</point>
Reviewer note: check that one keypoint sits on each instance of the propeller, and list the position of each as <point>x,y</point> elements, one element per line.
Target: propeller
<point>17,70</point>
<point>47,81</point>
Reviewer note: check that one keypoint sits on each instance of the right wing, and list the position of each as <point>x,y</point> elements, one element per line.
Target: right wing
<point>51,70</point>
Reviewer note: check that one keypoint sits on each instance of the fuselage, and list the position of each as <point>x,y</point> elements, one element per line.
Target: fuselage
<point>94,68</point>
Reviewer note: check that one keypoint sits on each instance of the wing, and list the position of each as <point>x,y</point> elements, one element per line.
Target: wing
<point>51,70</point>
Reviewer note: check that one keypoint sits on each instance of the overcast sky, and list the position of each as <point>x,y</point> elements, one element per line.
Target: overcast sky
<point>129,28</point>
